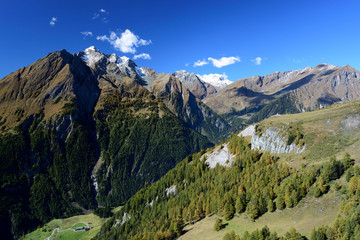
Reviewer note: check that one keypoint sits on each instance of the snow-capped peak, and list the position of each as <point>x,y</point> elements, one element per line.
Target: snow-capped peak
<point>91,48</point>
<point>215,79</point>
<point>113,58</point>
<point>124,59</point>
<point>92,55</point>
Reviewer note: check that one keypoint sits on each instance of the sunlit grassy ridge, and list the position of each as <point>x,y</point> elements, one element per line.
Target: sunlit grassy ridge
<point>330,131</point>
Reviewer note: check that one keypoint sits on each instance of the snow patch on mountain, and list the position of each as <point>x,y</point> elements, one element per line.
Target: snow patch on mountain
<point>215,79</point>
<point>92,56</point>
<point>140,71</point>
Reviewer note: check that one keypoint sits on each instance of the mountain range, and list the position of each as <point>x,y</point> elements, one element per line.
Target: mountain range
<point>89,130</point>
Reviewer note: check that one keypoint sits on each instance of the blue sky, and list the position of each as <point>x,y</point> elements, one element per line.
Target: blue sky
<point>238,38</point>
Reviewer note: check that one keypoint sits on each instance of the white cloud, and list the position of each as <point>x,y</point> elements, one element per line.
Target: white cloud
<point>87,33</point>
<point>95,16</point>
<point>224,61</point>
<point>53,21</point>
<point>200,63</point>
<point>142,56</point>
<point>257,60</point>
<point>127,42</point>
<point>101,12</point>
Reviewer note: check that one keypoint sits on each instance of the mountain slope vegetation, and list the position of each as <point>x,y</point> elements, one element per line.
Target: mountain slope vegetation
<point>75,138</point>
<point>257,184</point>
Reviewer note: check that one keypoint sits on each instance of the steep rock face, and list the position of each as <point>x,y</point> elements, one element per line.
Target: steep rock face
<point>112,65</point>
<point>182,102</point>
<point>272,140</point>
<point>198,87</point>
<point>329,85</point>
<point>221,155</point>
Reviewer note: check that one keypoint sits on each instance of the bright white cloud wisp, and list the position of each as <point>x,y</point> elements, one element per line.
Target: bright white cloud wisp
<point>200,63</point>
<point>142,56</point>
<point>126,42</point>
<point>102,12</point>
<point>87,33</point>
<point>224,61</point>
<point>53,21</point>
<point>257,60</point>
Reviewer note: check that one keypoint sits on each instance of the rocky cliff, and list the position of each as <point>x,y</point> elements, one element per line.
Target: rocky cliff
<point>271,139</point>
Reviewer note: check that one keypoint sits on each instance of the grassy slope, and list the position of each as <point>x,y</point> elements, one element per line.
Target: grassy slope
<point>310,213</point>
<point>62,224</point>
<point>324,136</point>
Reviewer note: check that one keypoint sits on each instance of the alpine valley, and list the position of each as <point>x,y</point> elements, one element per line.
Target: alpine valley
<point>180,152</point>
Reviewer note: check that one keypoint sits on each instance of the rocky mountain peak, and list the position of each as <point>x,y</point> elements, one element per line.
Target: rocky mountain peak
<point>197,86</point>
<point>324,67</point>
<point>111,64</point>
<point>189,79</point>
<point>92,56</point>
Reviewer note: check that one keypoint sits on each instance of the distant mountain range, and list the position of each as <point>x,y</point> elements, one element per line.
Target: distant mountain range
<point>312,88</point>
<point>90,129</point>
<point>255,98</point>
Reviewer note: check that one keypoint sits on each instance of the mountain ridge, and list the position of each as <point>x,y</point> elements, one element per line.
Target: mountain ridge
<point>71,119</point>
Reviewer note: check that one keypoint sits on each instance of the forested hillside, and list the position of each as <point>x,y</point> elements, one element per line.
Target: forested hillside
<point>73,141</point>
<point>255,184</point>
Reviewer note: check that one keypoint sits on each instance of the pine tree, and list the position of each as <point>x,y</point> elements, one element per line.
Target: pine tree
<point>229,211</point>
<point>208,210</point>
<point>240,205</point>
<point>218,224</point>
<point>347,161</point>
<point>280,203</point>
<point>270,206</point>
<point>253,211</point>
